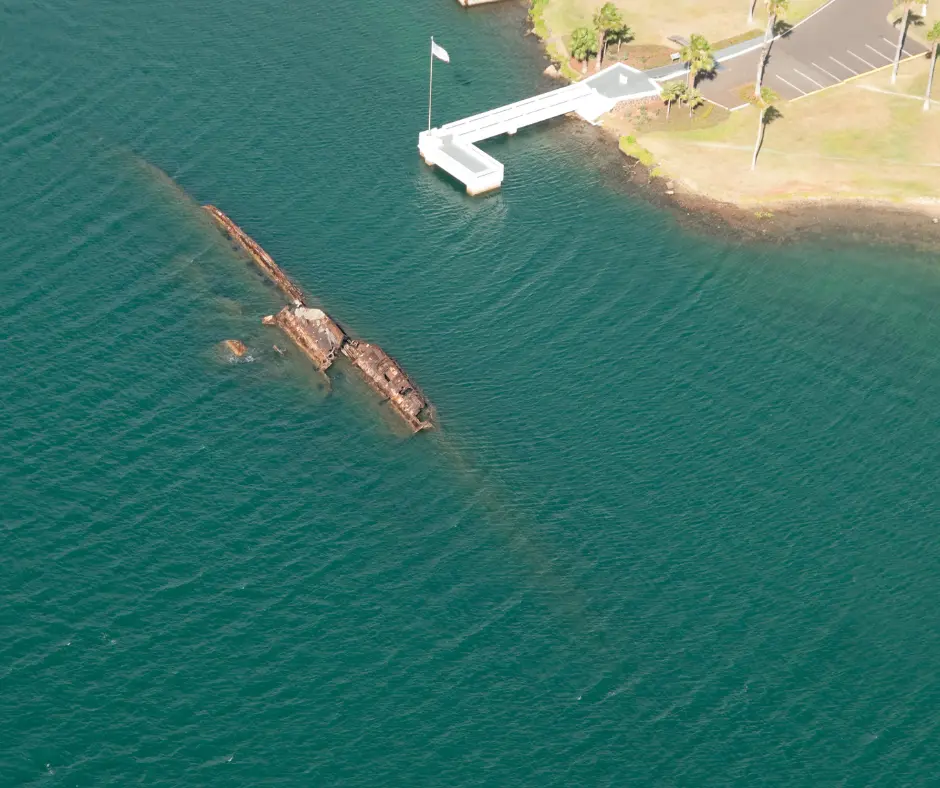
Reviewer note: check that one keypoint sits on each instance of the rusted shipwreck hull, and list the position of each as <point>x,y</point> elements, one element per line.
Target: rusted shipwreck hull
<point>262,259</point>
<point>320,338</point>
<point>313,331</point>
<point>385,376</point>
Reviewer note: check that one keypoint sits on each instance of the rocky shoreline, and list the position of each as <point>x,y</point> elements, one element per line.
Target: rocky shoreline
<point>854,221</point>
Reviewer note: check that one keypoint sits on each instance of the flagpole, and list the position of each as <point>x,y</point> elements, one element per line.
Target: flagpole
<point>431,84</point>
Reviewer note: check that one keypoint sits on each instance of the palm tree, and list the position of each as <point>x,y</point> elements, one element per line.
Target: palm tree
<point>752,4</point>
<point>583,46</point>
<point>768,112</point>
<point>674,91</point>
<point>606,21</point>
<point>698,55</point>
<point>693,98</point>
<point>903,22</point>
<point>775,8</point>
<point>933,36</point>
<point>621,35</point>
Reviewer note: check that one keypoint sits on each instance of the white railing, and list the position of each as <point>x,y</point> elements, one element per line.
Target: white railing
<point>513,117</point>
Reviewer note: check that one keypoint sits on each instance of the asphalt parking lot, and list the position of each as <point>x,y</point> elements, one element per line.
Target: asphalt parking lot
<point>843,40</point>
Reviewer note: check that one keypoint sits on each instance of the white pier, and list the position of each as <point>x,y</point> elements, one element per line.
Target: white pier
<point>452,146</point>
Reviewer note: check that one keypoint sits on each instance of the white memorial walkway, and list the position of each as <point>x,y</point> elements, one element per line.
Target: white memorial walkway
<point>452,146</point>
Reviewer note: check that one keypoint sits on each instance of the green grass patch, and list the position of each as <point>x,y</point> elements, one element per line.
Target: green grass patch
<point>537,18</point>
<point>560,59</point>
<point>740,38</point>
<point>726,127</point>
<point>800,9</point>
<point>706,116</point>
<point>634,150</point>
<point>897,140</point>
<point>850,143</point>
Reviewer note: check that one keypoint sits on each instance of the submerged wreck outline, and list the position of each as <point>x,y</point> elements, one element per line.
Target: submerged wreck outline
<point>320,338</point>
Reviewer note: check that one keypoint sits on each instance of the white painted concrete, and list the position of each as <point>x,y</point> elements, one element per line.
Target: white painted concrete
<point>451,146</point>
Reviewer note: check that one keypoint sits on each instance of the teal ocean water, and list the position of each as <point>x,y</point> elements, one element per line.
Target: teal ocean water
<point>679,526</point>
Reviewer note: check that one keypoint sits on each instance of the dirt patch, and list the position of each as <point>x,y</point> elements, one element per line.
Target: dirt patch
<point>641,117</point>
<point>641,56</point>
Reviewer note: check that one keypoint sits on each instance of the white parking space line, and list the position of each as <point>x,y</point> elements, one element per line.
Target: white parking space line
<point>870,65</point>
<point>880,54</point>
<point>851,71</point>
<point>827,73</point>
<point>894,47</point>
<point>801,92</point>
<point>810,79</point>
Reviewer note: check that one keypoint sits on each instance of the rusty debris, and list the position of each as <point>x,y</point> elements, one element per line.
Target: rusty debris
<point>385,376</point>
<point>320,338</point>
<point>313,331</point>
<point>263,260</point>
<point>236,347</point>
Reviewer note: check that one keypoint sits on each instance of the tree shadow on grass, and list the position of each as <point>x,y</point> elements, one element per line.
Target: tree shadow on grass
<point>771,114</point>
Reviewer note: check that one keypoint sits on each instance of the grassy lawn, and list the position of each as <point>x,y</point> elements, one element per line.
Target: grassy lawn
<point>851,141</point>
<point>653,23</point>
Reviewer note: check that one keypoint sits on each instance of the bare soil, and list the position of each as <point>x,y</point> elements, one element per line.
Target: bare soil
<point>640,56</point>
<point>651,115</point>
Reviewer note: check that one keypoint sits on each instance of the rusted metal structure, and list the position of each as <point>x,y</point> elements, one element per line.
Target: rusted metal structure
<point>236,347</point>
<point>262,259</point>
<point>320,338</point>
<point>313,331</point>
<point>385,376</point>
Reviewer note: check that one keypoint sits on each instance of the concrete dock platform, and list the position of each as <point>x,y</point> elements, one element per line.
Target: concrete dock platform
<point>452,146</point>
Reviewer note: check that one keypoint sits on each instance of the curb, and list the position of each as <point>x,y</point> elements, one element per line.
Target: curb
<point>852,79</point>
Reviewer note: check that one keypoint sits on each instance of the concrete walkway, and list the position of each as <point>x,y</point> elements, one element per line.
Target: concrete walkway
<point>842,40</point>
<point>452,147</point>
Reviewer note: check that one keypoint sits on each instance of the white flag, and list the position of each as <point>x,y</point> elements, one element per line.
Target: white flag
<point>439,52</point>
